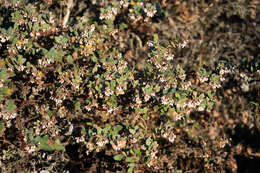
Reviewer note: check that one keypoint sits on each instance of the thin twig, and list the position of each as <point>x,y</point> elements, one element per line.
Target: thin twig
<point>66,17</point>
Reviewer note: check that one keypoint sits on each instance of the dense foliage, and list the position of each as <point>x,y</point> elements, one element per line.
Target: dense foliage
<point>71,85</point>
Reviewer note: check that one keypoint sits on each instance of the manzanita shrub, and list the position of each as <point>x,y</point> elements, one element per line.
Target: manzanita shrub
<point>52,75</point>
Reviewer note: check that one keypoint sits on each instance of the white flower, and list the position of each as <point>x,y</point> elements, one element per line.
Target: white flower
<point>172,137</point>
<point>200,108</point>
<point>165,135</point>
<point>34,19</point>
<point>150,43</point>
<point>92,28</point>
<point>138,100</point>
<point>170,57</point>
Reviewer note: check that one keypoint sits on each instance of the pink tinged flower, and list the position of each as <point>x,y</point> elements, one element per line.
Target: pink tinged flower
<point>172,137</point>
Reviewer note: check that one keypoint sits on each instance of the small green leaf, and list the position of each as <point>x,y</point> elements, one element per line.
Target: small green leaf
<point>94,59</point>
<point>44,143</point>
<point>117,128</point>
<point>155,37</point>
<point>148,141</point>
<point>118,157</point>
<point>108,126</point>
<point>21,60</point>
<point>77,105</point>
<point>46,147</point>
<point>129,159</point>
<point>201,96</point>
<point>130,167</point>
<point>95,69</point>
<point>57,145</point>
<point>2,128</point>
<point>11,107</point>
<point>70,59</point>
<point>255,103</point>
<point>132,131</point>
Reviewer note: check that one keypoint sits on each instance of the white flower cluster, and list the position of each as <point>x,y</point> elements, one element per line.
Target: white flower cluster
<point>121,66</point>
<point>244,77</point>
<point>168,56</point>
<point>108,92</point>
<point>181,45</point>
<point>124,4</point>
<point>108,14</point>
<point>153,154</point>
<point>222,72</point>
<point>119,145</point>
<point>7,115</point>
<point>138,100</point>
<point>30,149</point>
<point>192,103</point>
<point>90,106</point>
<point>44,62</point>
<point>47,125</point>
<point>80,139</point>
<point>153,160</point>
<point>87,33</point>
<point>186,85</point>
<point>75,85</point>
<point>119,90</point>
<point>102,142</point>
<point>161,66</point>
<point>3,39</point>
<point>170,136</point>
<point>92,28</point>
<point>215,85</point>
<point>150,12</point>
<point>58,99</point>
<point>167,101</point>
<point>245,82</point>
<point>203,79</point>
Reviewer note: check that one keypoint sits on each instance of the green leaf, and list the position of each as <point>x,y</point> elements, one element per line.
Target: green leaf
<point>57,145</point>
<point>94,58</point>
<point>118,157</point>
<point>137,154</point>
<point>108,126</point>
<point>201,96</point>
<point>122,26</point>
<point>131,167</point>
<point>3,73</point>
<point>255,103</point>
<point>77,105</point>
<point>61,40</point>
<point>36,27</point>
<point>46,147</point>
<point>2,128</point>
<point>117,128</point>
<point>129,159</point>
<point>70,59</point>
<point>132,131</point>
<point>44,143</point>
<point>155,37</point>
<point>11,107</point>
<point>21,60</point>
<point>95,69</point>
<point>148,141</point>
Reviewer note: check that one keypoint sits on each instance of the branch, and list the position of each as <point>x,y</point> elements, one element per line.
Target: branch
<point>70,4</point>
